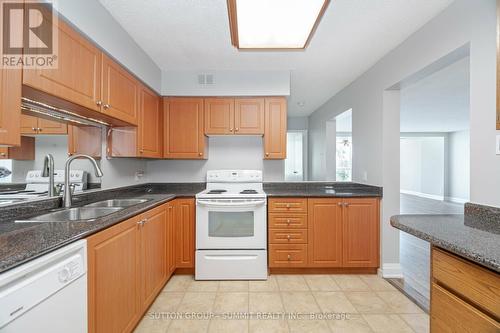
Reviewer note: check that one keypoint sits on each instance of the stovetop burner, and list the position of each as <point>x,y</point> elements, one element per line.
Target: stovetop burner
<point>216,191</point>
<point>248,192</point>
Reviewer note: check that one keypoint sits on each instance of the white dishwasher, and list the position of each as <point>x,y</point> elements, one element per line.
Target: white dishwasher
<point>48,294</point>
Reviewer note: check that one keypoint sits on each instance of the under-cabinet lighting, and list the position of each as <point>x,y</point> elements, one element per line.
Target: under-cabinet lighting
<point>274,24</point>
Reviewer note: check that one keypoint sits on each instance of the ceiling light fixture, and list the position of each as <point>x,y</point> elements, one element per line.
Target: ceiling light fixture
<point>274,24</point>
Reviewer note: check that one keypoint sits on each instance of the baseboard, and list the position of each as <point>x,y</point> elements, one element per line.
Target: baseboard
<point>391,271</point>
<point>456,200</point>
<point>319,270</point>
<point>423,195</point>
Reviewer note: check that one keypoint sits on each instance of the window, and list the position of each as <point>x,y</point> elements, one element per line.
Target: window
<point>294,163</point>
<point>343,147</point>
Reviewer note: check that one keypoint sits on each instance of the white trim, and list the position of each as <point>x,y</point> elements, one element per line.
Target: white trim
<point>390,271</point>
<point>423,195</point>
<point>456,200</point>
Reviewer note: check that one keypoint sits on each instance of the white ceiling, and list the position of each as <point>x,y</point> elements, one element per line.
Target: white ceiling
<point>352,36</point>
<point>438,102</point>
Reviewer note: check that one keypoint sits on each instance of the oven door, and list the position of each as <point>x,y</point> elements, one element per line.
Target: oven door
<point>231,224</point>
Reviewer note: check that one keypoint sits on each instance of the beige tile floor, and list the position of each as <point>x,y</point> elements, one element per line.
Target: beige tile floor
<point>362,303</point>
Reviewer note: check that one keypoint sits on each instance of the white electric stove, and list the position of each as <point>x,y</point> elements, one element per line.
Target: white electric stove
<point>231,227</point>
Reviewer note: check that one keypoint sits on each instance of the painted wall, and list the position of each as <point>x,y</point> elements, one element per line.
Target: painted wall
<point>298,123</point>
<point>422,163</point>
<point>459,166</point>
<point>227,83</point>
<point>376,110</point>
<point>224,152</point>
<point>91,18</point>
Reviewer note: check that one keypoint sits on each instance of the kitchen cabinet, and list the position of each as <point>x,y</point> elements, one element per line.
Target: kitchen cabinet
<point>24,152</point>
<point>126,270</point>
<point>184,136</point>
<point>120,92</point>
<point>360,231</point>
<point>464,295</point>
<point>114,278</point>
<point>153,254</point>
<point>219,116</point>
<point>10,106</point>
<point>77,77</point>
<point>275,126</point>
<point>171,240</point>
<point>85,140</point>
<point>184,210</point>
<point>145,140</point>
<point>325,232</point>
<point>238,116</point>
<point>39,126</point>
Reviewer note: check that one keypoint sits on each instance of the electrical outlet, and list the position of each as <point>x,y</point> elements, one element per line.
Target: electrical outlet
<point>365,176</point>
<point>138,175</point>
<point>498,144</point>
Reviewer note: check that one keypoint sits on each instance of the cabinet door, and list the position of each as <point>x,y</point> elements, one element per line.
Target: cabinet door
<point>29,124</point>
<point>183,125</point>
<point>4,153</point>
<point>78,74</point>
<point>324,233</point>
<point>219,116</point>
<point>171,243</point>
<point>150,125</point>
<point>361,233</point>
<point>120,92</point>
<point>275,128</point>
<point>85,140</point>
<point>153,254</point>
<point>249,116</point>
<point>185,232</point>
<point>51,127</point>
<point>10,106</point>
<point>114,278</point>
<point>24,152</point>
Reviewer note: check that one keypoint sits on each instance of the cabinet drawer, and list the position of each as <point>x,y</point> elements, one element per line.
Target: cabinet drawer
<point>475,283</point>
<point>295,205</point>
<point>281,255</point>
<point>450,314</point>
<point>290,236</point>
<point>287,221</point>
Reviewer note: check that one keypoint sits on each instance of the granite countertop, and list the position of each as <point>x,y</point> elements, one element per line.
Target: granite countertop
<point>22,242</point>
<point>322,189</point>
<point>473,235</point>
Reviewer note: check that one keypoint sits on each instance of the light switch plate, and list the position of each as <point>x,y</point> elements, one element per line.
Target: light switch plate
<point>498,144</point>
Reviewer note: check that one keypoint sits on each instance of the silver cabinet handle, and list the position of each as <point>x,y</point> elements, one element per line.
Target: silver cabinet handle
<point>346,204</point>
<point>34,129</point>
<point>288,221</point>
<point>106,106</point>
<point>339,204</point>
<point>2,154</point>
<point>288,237</point>
<point>39,129</point>
<point>237,129</point>
<point>99,103</point>
<point>289,257</point>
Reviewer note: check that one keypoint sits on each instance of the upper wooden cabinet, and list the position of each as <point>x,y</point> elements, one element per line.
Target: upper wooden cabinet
<point>34,125</point>
<point>219,116</point>
<point>120,92</point>
<point>275,128</point>
<point>239,116</point>
<point>24,152</point>
<point>360,230</point>
<point>249,116</point>
<point>10,106</point>
<point>150,127</point>
<point>183,128</point>
<point>325,232</point>
<point>78,75</point>
<point>85,140</point>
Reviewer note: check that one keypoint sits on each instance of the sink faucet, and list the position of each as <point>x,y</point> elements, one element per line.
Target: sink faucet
<point>48,171</point>
<point>68,199</point>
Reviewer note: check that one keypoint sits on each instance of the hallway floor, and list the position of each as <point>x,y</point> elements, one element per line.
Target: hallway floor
<point>353,303</point>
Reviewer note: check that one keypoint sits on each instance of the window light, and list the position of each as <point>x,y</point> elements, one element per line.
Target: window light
<point>274,24</point>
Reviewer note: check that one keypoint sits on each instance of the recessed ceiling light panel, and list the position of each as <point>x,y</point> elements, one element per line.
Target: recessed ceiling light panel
<point>274,24</point>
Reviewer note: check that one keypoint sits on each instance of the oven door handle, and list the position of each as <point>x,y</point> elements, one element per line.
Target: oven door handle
<point>232,204</point>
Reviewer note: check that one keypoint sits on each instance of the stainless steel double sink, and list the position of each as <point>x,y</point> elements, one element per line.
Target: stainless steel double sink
<point>86,213</point>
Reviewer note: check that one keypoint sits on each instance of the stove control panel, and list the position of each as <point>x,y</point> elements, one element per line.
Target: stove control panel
<point>234,176</point>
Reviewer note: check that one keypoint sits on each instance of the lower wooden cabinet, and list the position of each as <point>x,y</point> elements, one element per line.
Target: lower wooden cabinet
<point>184,225</point>
<point>171,240</point>
<point>323,232</point>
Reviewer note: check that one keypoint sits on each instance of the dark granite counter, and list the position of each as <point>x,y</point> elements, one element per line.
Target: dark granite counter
<point>22,242</point>
<point>474,235</point>
<point>322,189</point>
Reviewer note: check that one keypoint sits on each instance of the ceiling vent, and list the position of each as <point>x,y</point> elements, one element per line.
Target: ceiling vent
<point>206,79</point>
